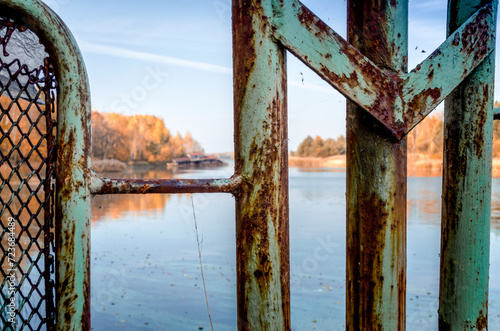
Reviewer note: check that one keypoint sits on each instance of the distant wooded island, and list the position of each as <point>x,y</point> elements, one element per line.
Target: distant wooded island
<point>138,138</point>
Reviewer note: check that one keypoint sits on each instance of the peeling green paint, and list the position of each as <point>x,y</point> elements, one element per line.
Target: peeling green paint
<point>399,100</point>
<point>73,163</point>
<point>261,152</point>
<point>324,51</point>
<point>376,174</point>
<point>376,183</point>
<point>437,76</point>
<point>466,206</point>
<point>100,185</point>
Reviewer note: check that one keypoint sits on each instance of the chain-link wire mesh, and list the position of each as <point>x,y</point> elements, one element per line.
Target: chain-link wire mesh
<point>27,152</point>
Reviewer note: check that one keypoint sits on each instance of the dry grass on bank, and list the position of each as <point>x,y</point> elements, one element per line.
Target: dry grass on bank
<point>418,164</point>
<point>337,161</point>
<point>108,166</point>
<point>425,164</point>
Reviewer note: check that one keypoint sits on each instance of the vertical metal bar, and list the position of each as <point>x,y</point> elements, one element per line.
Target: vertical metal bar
<point>376,181</point>
<point>49,207</point>
<point>73,199</point>
<point>466,191</point>
<point>261,156</point>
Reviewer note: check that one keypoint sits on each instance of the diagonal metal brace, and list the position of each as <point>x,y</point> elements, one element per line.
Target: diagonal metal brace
<point>438,75</point>
<point>397,100</point>
<point>337,61</point>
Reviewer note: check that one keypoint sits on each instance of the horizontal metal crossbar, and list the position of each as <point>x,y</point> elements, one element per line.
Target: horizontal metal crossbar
<point>100,185</point>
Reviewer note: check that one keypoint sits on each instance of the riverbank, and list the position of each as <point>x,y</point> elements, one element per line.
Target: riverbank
<point>418,164</point>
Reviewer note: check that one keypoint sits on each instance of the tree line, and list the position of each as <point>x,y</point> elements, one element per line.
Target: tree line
<point>318,147</point>
<point>137,138</point>
<point>146,138</point>
<point>425,138</point>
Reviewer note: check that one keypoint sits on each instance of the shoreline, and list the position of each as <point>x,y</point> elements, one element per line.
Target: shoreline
<point>419,165</point>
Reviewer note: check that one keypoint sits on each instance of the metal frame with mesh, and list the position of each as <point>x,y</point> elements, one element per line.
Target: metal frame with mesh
<point>369,69</point>
<point>27,152</point>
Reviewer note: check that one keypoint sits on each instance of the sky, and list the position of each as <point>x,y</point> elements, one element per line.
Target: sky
<point>172,59</point>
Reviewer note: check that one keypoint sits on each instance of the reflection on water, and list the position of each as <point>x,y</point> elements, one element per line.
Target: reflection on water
<point>128,205</point>
<point>154,173</point>
<point>424,201</point>
<point>146,275</point>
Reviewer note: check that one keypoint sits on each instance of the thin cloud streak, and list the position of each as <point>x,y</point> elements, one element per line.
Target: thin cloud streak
<point>150,57</point>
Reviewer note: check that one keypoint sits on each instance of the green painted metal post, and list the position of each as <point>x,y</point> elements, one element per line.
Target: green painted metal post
<point>467,191</point>
<point>261,153</point>
<point>376,181</point>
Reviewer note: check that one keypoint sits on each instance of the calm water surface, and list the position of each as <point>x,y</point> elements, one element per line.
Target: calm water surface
<point>146,272</point>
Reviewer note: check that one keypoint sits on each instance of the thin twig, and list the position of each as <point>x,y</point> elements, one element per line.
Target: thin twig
<point>201,264</point>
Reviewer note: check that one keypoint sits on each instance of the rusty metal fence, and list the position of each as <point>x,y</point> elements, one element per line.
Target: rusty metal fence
<point>27,102</point>
<point>385,103</point>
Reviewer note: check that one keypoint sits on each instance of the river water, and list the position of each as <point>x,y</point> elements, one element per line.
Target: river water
<point>146,271</point>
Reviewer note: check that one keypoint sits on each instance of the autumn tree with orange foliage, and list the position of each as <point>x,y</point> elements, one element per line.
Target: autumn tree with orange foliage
<point>137,138</point>
<point>496,135</point>
<point>318,147</point>
<point>426,139</point>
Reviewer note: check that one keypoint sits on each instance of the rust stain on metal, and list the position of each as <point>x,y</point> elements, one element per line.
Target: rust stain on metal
<point>370,214</point>
<point>383,87</point>
<point>376,189</point>
<point>481,122</point>
<point>65,155</point>
<point>143,186</point>
<point>482,320</point>
<point>308,18</point>
<point>466,197</point>
<point>260,159</point>
<point>479,27</point>
<point>418,105</point>
<point>243,43</point>
<point>364,284</point>
<point>253,228</point>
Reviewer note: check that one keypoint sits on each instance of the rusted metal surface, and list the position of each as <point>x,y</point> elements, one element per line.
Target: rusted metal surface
<point>261,152</point>
<point>386,103</point>
<point>435,78</point>
<point>466,198</point>
<point>353,74</point>
<point>142,186</point>
<point>376,172</point>
<point>49,188</point>
<point>73,161</point>
<point>376,181</point>
<point>27,89</point>
<point>399,100</point>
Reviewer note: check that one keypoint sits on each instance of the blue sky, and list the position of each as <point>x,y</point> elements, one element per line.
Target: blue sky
<point>172,59</point>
